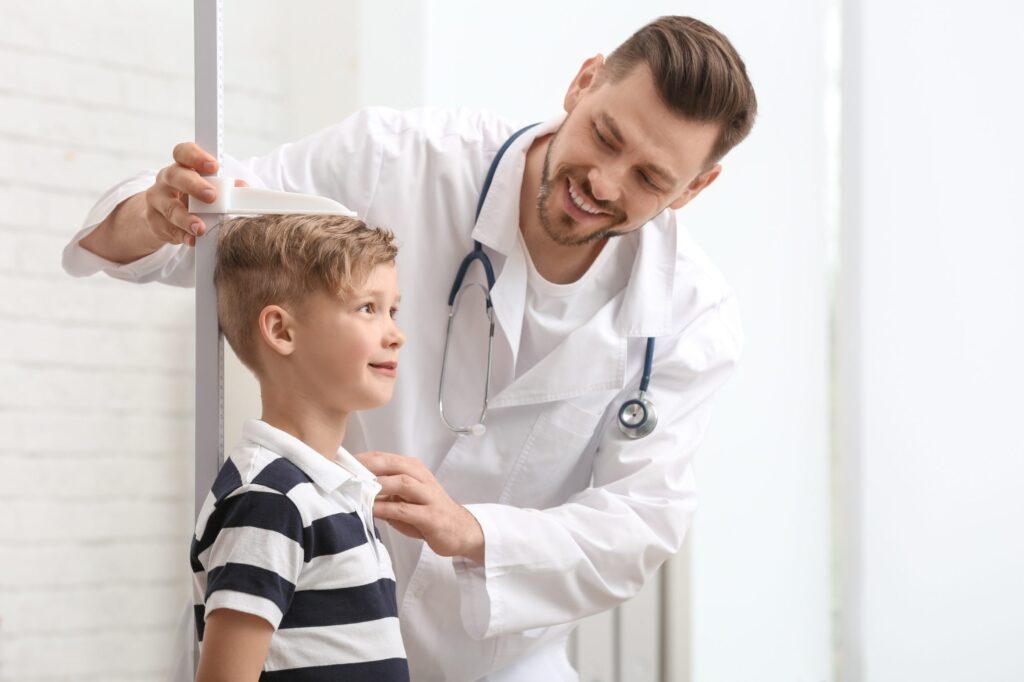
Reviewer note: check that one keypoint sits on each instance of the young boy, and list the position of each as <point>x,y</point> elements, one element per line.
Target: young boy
<point>290,576</point>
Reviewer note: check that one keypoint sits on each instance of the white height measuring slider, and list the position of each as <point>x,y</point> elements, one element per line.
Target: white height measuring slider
<point>233,200</point>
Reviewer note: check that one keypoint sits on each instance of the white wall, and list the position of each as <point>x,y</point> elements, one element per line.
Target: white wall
<point>96,375</point>
<point>936,238</point>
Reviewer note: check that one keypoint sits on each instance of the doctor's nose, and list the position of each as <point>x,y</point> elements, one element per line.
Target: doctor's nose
<point>604,184</point>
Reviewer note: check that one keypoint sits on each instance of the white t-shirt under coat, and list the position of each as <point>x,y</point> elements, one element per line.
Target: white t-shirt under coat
<point>553,311</point>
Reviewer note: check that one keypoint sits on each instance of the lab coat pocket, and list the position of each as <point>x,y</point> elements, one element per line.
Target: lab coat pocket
<point>555,460</point>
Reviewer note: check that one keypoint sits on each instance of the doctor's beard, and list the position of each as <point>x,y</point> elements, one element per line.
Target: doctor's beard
<point>563,232</point>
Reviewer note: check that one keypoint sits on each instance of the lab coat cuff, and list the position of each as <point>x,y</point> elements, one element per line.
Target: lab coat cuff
<point>479,607</point>
<point>80,262</point>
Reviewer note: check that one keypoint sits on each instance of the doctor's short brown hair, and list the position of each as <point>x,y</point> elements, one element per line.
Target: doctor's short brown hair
<point>698,73</point>
<point>280,259</point>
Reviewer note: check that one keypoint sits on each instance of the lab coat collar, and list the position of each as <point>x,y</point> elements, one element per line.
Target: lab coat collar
<point>647,300</point>
<point>497,228</point>
<point>499,216</point>
<point>324,473</point>
<point>646,307</point>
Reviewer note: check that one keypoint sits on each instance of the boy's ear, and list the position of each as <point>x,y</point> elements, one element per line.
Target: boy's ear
<point>277,329</point>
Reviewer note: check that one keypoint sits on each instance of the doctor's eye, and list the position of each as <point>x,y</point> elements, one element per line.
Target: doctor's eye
<point>650,183</point>
<point>601,138</point>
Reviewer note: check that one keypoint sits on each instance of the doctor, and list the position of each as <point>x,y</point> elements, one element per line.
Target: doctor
<point>553,512</point>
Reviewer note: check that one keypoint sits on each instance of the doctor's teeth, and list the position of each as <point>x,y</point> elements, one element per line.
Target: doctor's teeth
<point>576,199</point>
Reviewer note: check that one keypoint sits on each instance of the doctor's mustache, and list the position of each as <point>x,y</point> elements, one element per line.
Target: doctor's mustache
<point>618,216</point>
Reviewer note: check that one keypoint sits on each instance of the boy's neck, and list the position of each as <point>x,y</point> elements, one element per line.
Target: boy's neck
<point>320,429</point>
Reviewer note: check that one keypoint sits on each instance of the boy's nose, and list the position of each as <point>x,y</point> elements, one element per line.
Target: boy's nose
<point>395,338</point>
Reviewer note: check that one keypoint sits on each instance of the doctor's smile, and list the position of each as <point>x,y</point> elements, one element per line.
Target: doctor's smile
<point>576,200</point>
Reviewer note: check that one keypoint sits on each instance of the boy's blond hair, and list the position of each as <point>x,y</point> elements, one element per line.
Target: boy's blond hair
<point>280,259</point>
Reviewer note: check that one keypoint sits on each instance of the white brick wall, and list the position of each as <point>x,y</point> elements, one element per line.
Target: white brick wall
<point>96,375</point>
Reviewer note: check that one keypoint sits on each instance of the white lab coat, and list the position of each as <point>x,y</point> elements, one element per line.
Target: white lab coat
<point>576,516</point>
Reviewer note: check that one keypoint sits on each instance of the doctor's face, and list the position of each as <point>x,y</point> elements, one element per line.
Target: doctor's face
<point>619,159</point>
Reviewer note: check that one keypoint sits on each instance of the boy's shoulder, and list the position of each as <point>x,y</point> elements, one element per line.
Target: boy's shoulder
<point>251,489</point>
<point>254,465</point>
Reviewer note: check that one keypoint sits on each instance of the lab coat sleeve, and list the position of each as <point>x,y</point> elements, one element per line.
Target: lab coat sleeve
<point>557,565</point>
<point>169,264</point>
<point>341,162</point>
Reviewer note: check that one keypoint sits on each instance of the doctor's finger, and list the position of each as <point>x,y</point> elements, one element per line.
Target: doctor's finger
<point>415,515</point>
<point>181,179</point>
<point>405,529</point>
<point>191,155</point>
<point>405,487</point>
<point>166,214</point>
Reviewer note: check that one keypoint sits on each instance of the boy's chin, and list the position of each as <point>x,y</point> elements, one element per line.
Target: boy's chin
<point>368,403</point>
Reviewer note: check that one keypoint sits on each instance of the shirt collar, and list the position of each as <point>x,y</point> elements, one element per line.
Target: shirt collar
<point>325,473</point>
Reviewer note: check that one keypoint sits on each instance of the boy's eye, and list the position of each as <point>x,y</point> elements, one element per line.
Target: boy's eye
<point>368,307</point>
<point>394,313</point>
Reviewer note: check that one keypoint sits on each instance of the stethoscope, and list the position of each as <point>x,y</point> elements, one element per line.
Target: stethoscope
<point>637,416</point>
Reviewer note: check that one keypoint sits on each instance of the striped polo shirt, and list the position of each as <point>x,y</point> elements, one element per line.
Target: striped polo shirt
<point>287,535</point>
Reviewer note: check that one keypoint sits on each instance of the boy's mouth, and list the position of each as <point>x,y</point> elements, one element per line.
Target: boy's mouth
<point>388,368</point>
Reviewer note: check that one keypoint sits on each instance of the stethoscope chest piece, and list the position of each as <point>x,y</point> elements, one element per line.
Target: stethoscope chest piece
<point>637,417</point>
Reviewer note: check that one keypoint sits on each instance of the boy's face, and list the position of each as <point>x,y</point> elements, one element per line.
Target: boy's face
<point>346,349</point>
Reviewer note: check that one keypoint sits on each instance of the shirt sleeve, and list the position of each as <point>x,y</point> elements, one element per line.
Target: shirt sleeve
<point>342,162</point>
<point>553,566</point>
<point>255,556</point>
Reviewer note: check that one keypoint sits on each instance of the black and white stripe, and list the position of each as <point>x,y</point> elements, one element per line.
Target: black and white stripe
<point>275,542</point>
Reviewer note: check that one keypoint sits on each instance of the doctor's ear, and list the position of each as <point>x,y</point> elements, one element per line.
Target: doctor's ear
<point>696,186</point>
<point>277,329</point>
<point>586,77</point>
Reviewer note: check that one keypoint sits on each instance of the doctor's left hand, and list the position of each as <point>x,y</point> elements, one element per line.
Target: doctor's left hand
<point>415,504</point>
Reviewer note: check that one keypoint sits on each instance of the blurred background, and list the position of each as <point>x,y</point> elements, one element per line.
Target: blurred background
<point>861,516</point>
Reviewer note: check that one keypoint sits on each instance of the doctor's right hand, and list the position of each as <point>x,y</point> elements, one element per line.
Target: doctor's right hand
<point>144,222</point>
<point>166,202</point>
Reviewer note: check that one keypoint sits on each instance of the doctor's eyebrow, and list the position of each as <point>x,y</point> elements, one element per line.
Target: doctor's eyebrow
<point>613,130</point>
